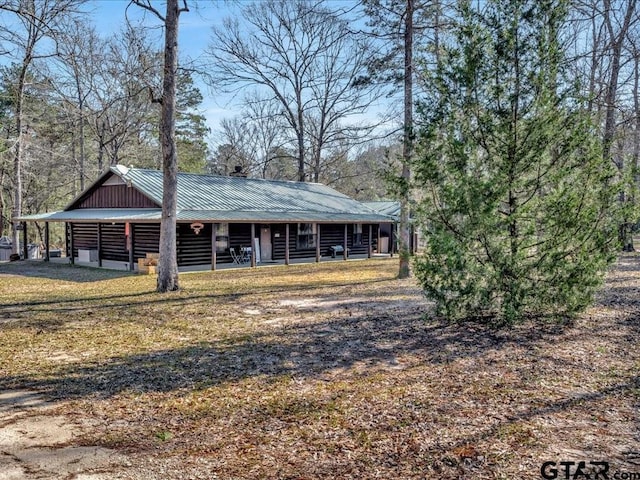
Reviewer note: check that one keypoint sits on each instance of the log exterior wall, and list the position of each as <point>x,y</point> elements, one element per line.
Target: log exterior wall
<point>330,235</point>
<point>114,243</point>
<point>195,249</point>
<point>146,239</point>
<point>85,236</point>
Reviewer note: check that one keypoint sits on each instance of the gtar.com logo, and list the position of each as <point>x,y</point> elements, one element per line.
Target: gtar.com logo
<point>569,470</point>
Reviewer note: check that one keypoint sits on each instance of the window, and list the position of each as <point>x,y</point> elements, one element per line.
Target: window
<point>222,237</point>
<point>306,236</point>
<point>357,234</point>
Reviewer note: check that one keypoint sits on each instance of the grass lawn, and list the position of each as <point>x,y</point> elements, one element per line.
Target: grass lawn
<point>334,370</point>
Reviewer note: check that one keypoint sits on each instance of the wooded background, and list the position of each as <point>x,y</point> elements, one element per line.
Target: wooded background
<point>310,77</point>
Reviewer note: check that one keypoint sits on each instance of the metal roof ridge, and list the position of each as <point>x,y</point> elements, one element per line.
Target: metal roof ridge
<point>125,170</point>
<point>271,210</point>
<point>120,169</point>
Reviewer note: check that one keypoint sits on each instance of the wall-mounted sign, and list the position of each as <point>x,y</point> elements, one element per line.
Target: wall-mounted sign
<point>196,227</point>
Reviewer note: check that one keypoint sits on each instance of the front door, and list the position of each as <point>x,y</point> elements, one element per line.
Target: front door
<point>265,243</point>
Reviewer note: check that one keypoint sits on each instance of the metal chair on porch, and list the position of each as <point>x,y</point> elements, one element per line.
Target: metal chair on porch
<point>237,258</point>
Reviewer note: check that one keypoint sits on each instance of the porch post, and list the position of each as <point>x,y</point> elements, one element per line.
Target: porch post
<point>286,244</point>
<point>253,244</point>
<point>379,237</point>
<point>71,246</point>
<point>46,241</point>
<point>392,237</point>
<point>214,253</point>
<point>132,243</point>
<point>318,243</point>
<point>344,250</point>
<point>99,244</point>
<point>369,242</point>
<point>25,241</point>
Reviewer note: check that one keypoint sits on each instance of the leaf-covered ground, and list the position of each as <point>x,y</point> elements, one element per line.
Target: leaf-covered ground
<point>322,371</point>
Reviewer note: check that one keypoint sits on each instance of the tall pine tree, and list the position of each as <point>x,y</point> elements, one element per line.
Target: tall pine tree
<point>516,197</point>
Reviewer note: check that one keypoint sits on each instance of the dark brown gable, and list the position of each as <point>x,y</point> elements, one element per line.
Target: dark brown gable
<point>113,193</point>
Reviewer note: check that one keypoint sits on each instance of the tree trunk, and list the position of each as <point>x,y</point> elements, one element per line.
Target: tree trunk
<point>168,261</point>
<point>636,139</point>
<point>317,161</point>
<point>74,157</point>
<point>627,227</point>
<point>2,203</point>
<point>404,239</point>
<point>594,62</point>
<point>102,145</point>
<point>617,42</point>
<point>636,112</point>
<point>17,159</point>
<point>81,162</point>
<point>301,172</point>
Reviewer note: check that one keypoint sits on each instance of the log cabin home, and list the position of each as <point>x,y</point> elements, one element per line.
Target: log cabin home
<point>117,220</point>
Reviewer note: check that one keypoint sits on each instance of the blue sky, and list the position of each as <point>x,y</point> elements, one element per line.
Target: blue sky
<point>195,25</point>
<point>194,36</point>
<point>110,16</point>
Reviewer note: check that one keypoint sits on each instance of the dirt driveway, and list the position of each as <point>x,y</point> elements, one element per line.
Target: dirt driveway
<point>35,443</point>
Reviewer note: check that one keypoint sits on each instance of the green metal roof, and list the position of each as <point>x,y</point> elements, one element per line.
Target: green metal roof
<point>385,207</point>
<point>116,215</point>
<point>227,199</point>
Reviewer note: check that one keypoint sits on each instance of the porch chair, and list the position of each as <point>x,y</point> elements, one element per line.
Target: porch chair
<point>237,258</point>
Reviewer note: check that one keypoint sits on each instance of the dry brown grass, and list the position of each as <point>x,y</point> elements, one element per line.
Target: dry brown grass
<point>320,371</point>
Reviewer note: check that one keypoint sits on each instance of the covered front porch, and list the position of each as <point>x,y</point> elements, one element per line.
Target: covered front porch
<point>124,266</point>
<point>124,245</point>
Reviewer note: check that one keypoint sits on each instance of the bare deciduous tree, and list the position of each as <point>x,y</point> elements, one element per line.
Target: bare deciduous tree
<point>123,120</point>
<point>168,262</point>
<point>604,64</point>
<point>36,21</point>
<point>254,139</point>
<point>75,82</point>
<point>307,60</point>
<point>617,31</point>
